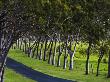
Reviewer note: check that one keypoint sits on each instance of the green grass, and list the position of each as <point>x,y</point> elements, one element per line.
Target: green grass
<point>12,76</point>
<point>76,74</point>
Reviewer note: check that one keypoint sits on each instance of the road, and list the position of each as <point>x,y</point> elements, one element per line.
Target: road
<point>32,74</point>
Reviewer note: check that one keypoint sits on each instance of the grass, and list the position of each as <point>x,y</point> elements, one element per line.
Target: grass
<point>76,74</point>
<point>12,76</point>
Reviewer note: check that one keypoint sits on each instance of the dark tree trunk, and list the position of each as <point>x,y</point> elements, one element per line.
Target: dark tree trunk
<point>37,50</point>
<point>58,63</point>
<point>18,43</point>
<point>65,56</point>
<point>29,43</point>
<point>109,65</point>
<point>87,61</point>
<point>29,51</point>
<point>45,49</point>
<point>65,61</point>
<point>15,45</point>
<point>40,55</point>
<point>98,67</point>
<point>101,54</point>
<point>59,55</point>
<point>54,54</point>
<point>25,47</point>
<point>71,57</point>
<point>48,47</point>
<point>21,43</point>
<point>50,53</point>
<point>3,66</point>
<point>2,76</point>
<point>33,52</point>
<point>0,40</point>
<point>37,54</point>
<point>4,53</point>
<point>71,63</point>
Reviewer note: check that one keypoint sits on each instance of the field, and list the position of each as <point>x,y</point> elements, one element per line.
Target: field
<point>77,74</point>
<point>12,76</point>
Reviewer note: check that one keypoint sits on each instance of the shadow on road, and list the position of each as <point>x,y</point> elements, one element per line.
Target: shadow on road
<point>32,74</point>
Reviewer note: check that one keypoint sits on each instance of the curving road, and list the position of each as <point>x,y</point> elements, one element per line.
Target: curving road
<point>32,74</point>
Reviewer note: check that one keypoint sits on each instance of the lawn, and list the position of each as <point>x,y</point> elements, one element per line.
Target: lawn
<point>12,76</point>
<point>76,74</point>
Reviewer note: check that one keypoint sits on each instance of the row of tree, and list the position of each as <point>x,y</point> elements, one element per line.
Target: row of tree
<point>55,21</point>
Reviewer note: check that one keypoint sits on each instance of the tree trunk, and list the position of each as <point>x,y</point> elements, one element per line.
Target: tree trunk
<point>50,54</point>
<point>71,57</point>
<point>15,45</point>
<point>25,47</point>
<point>109,65</point>
<point>37,50</point>
<point>71,63</point>
<point>3,66</point>
<point>2,76</point>
<point>45,49</point>
<point>40,56</point>
<point>98,67</point>
<point>37,54</point>
<point>65,56</point>
<point>54,54</point>
<point>29,43</point>
<point>58,63</point>
<point>31,52</point>
<point>101,54</point>
<point>18,43</point>
<point>21,43</point>
<point>65,61</point>
<point>87,66</point>
<point>4,54</point>
<point>59,55</point>
<point>53,60</point>
<point>87,61</point>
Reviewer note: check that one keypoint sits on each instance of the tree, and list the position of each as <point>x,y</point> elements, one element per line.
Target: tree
<point>14,23</point>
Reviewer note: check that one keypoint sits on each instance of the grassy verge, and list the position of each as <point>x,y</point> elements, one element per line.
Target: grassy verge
<point>76,74</point>
<point>12,76</point>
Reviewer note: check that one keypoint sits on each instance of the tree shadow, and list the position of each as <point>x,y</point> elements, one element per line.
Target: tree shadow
<point>32,74</point>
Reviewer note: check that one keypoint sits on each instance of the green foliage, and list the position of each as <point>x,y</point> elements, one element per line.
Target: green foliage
<point>0,4</point>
